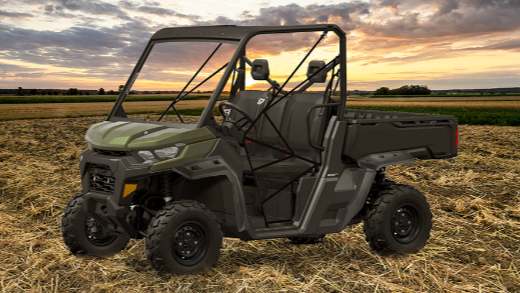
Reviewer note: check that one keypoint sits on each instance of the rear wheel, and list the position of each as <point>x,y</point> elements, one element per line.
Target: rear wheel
<point>184,237</point>
<point>307,239</point>
<point>86,233</point>
<point>399,221</point>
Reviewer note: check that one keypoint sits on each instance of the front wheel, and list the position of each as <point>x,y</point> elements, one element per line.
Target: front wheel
<point>183,238</point>
<point>399,221</point>
<point>86,233</point>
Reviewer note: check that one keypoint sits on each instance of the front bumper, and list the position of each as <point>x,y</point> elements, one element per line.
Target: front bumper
<point>120,170</point>
<point>108,202</point>
<point>104,206</point>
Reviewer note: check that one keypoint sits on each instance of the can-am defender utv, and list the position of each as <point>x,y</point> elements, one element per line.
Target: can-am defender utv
<point>278,163</point>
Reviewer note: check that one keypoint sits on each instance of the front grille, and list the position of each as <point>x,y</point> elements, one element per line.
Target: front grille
<point>111,153</point>
<point>101,179</point>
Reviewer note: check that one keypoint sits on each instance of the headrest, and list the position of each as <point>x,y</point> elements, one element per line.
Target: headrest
<point>260,69</point>
<point>314,66</point>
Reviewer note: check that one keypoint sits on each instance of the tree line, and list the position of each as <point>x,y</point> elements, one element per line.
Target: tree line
<point>79,92</point>
<point>403,91</point>
<point>58,92</point>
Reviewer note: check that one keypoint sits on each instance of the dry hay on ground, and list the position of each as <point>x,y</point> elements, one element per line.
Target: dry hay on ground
<point>474,246</point>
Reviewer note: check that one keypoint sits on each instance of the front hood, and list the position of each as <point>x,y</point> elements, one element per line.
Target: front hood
<point>126,136</point>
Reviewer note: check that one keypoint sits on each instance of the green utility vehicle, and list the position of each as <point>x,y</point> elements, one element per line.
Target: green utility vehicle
<point>287,161</point>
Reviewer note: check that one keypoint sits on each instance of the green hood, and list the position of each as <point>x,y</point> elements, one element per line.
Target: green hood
<point>126,136</point>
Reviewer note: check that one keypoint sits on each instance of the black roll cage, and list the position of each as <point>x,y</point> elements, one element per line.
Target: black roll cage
<point>229,34</point>
<point>243,35</point>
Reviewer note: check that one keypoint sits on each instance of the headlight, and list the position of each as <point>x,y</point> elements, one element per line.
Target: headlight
<point>146,155</point>
<point>159,154</point>
<point>167,153</point>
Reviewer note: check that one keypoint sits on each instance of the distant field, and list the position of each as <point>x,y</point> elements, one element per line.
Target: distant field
<point>434,99</point>
<point>511,102</point>
<point>468,110</point>
<point>454,95</point>
<point>91,98</point>
<point>5,99</point>
<point>64,110</point>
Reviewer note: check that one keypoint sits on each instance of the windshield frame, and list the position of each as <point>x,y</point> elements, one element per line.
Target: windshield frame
<point>117,112</point>
<point>206,118</point>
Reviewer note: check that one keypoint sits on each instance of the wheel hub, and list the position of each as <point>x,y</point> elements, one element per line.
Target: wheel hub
<point>189,243</point>
<point>405,224</point>
<point>97,233</point>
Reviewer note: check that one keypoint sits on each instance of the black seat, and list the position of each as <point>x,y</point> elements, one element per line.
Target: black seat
<point>252,102</point>
<point>287,117</point>
<point>272,117</point>
<point>295,127</point>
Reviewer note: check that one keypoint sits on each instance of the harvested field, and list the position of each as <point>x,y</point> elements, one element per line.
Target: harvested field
<point>66,110</point>
<point>475,243</point>
<point>62,110</point>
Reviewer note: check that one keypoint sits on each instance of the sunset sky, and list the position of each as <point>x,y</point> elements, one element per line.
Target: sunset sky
<point>93,43</point>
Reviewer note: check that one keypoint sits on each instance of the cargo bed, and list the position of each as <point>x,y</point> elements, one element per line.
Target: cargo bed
<point>424,136</point>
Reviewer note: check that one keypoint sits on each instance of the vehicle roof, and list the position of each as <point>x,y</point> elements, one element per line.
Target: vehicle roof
<point>233,32</point>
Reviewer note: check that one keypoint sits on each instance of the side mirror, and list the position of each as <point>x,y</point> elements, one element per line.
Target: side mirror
<point>314,66</point>
<point>260,69</point>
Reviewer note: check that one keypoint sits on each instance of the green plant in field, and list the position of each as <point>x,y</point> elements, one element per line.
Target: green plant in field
<point>472,116</point>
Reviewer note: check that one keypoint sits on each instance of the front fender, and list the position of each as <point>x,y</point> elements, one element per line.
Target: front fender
<point>207,164</point>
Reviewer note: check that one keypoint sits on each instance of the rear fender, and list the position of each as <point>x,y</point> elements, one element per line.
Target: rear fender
<point>380,160</point>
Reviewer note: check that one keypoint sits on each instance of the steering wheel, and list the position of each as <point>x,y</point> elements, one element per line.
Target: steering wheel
<point>241,123</point>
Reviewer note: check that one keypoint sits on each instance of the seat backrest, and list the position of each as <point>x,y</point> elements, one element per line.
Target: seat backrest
<point>275,114</point>
<point>289,116</point>
<point>252,102</point>
<point>294,125</point>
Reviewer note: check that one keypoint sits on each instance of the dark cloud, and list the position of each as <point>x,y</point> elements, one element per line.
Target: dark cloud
<point>11,14</point>
<point>18,39</point>
<point>452,18</point>
<point>447,6</point>
<point>126,41</point>
<point>513,45</point>
<point>110,52</point>
<point>12,71</point>
<point>155,9</point>
<point>92,7</point>
<point>343,14</point>
<point>57,11</point>
<point>346,15</point>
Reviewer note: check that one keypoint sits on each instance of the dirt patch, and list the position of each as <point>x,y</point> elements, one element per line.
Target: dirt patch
<point>474,247</point>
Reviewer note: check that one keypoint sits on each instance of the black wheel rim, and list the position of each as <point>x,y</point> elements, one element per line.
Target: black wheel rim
<point>98,233</point>
<point>405,224</point>
<point>189,244</point>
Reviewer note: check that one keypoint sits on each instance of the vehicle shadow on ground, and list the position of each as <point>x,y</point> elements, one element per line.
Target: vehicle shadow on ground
<point>237,256</point>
